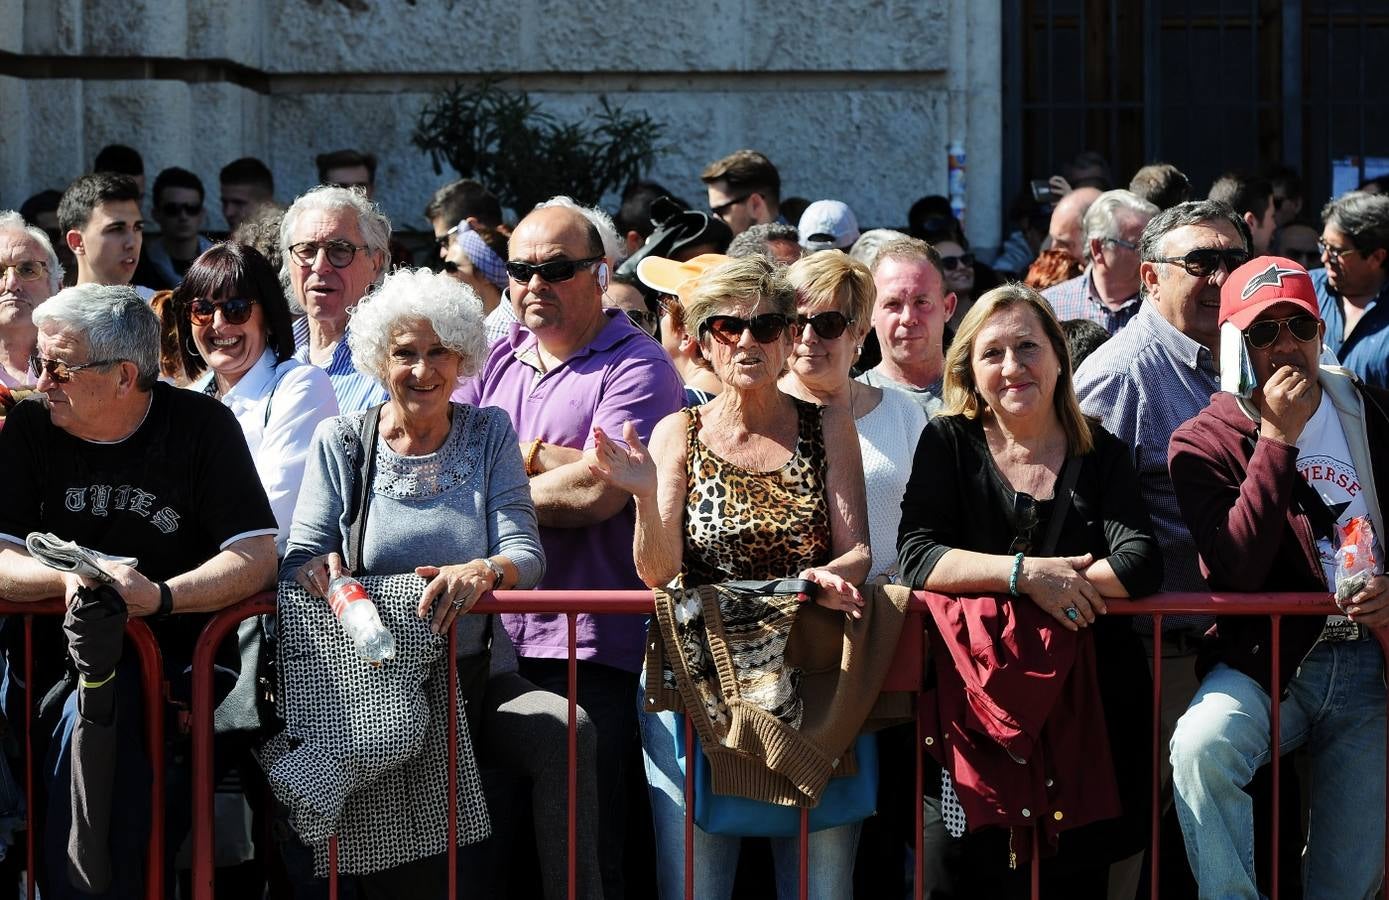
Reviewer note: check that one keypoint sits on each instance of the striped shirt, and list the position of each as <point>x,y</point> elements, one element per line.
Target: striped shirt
<point>1141,384</point>
<point>355,390</point>
<point>1078,299</point>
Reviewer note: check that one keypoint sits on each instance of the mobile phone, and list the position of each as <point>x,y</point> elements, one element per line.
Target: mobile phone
<point>1236,368</point>
<point>1041,190</point>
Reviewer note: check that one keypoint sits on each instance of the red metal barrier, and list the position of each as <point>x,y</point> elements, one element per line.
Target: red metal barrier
<point>570,603</point>
<point>152,681</point>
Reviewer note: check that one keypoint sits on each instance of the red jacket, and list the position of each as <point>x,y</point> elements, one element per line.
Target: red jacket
<point>1016,718</point>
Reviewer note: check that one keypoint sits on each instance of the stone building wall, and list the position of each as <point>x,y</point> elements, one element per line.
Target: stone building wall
<point>856,100</point>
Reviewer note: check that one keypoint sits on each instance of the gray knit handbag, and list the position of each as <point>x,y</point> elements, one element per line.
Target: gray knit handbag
<point>364,751</point>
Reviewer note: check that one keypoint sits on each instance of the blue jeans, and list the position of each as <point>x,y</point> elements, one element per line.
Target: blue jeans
<point>1335,706</point>
<point>831,852</point>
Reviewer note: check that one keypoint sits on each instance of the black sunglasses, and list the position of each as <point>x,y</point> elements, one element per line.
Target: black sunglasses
<point>340,253</point>
<point>729,329</point>
<point>722,209</point>
<point>1263,333</point>
<point>236,311</point>
<point>173,209</point>
<point>1203,262</point>
<point>61,371</point>
<point>1025,515</point>
<point>951,263</point>
<point>644,319</point>
<point>828,325</point>
<point>554,271</point>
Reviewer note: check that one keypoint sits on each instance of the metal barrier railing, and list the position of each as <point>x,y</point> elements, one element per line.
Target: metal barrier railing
<point>570,603</point>
<point>153,685</point>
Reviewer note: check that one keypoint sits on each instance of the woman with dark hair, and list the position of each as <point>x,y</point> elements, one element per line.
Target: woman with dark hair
<point>233,320</point>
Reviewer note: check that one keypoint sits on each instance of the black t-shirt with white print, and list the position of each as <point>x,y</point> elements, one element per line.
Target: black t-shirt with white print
<point>172,495</point>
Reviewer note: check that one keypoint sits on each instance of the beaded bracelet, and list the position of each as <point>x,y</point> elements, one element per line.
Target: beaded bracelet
<point>531,455</point>
<point>1013,578</point>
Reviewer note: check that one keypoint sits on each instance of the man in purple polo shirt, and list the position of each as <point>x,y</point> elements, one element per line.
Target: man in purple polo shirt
<point>568,367</point>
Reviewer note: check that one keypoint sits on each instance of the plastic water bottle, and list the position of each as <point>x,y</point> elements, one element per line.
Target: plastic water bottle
<point>359,618</point>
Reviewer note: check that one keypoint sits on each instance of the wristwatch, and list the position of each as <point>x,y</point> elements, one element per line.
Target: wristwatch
<point>497,572</point>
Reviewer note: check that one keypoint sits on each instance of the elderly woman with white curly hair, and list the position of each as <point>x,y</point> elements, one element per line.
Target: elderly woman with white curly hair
<point>450,501</point>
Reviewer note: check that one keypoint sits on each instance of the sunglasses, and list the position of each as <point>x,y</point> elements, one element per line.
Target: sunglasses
<point>236,311</point>
<point>1263,333</point>
<point>1203,262</point>
<point>1025,515</point>
<point>1334,254</point>
<point>722,209</point>
<point>1308,259</point>
<point>60,371</point>
<point>340,253</point>
<point>29,270</point>
<point>643,319</point>
<point>951,263</point>
<point>765,328</point>
<point>828,325</point>
<point>187,209</point>
<point>554,271</point>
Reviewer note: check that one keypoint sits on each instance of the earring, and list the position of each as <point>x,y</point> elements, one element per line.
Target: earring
<point>858,351</point>
<point>191,348</point>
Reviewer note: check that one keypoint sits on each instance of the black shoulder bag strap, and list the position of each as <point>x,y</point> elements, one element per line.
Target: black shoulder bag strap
<point>362,493</point>
<point>1065,490</point>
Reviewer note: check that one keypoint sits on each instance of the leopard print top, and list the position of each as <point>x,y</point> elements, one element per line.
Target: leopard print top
<point>741,524</point>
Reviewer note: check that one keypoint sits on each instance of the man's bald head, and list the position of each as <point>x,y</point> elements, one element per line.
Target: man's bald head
<point>563,223</point>
<point>1067,231</point>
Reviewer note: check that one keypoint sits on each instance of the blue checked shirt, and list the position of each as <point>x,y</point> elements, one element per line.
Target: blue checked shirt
<point>1141,384</point>
<point>1077,299</point>
<point>1366,351</point>
<point>355,391</point>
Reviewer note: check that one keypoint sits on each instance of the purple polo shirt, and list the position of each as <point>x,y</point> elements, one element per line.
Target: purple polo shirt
<point>623,374</point>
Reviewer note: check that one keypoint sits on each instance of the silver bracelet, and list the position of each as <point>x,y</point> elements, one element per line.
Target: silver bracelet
<point>498,573</point>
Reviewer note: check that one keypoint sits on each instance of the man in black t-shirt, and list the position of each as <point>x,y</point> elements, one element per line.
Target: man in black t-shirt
<point>119,463</point>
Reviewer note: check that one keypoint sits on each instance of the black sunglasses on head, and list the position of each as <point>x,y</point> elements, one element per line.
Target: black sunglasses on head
<point>554,271</point>
<point>765,328</point>
<point>1263,333</point>
<point>1203,262</point>
<point>828,325</point>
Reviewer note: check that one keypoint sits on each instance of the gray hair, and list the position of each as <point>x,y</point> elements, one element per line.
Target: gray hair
<point>409,296</point>
<point>868,245</point>
<point>1101,219</point>
<point>1364,218</point>
<point>13,221</point>
<point>375,227</point>
<point>613,247</point>
<point>113,321</point>
<point>1193,212</point>
<point>753,241</point>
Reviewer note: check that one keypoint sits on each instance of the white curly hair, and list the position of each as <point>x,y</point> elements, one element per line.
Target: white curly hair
<point>408,297</point>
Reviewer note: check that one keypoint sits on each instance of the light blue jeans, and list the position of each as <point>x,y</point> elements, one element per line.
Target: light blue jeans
<point>1336,708</point>
<point>831,852</point>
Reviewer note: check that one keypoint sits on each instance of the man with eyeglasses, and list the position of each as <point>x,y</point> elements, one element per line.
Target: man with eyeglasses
<point>744,189</point>
<point>333,242</point>
<point>178,208</point>
<point>1268,484</point>
<point>124,464</point>
<point>1353,286</point>
<point>568,367</point>
<point>1107,292</point>
<point>1158,371</point>
<point>29,275</point>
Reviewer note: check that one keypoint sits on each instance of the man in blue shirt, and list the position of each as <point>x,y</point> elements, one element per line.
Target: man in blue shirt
<point>1353,288</point>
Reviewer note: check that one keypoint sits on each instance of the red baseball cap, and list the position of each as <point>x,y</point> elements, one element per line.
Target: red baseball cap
<point>1262,282</point>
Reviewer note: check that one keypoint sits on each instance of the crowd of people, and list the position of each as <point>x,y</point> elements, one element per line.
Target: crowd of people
<point>1143,392</point>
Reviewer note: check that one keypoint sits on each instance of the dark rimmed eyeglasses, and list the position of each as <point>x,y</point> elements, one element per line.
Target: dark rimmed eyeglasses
<point>61,371</point>
<point>1026,518</point>
<point>554,271</point>
<point>828,325</point>
<point>1204,262</point>
<point>722,209</point>
<point>644,319</point>
<point>28,270</point>
<point>1264,333</point>
<point>1120,242</point>
<point>765,328</point>
<point>235,311</point>
<point>340,253</point>
<point>951,263</point>
<point>1334,254</point>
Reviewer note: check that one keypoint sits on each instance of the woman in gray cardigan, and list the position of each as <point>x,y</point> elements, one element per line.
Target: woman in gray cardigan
<point>449,501</point>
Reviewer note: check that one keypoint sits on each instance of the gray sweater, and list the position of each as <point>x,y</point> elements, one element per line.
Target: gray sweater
<point>468,499</point>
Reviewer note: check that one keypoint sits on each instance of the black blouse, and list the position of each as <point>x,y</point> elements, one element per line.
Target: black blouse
<point>957,500</point>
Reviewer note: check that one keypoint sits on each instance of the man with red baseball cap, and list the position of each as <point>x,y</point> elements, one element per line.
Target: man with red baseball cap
<point>1268,485</point>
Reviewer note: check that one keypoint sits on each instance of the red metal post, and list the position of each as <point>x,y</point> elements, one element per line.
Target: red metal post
<point>1035,867</point>
<point>918,868</point>
<point>691,748</point>
<point>1274,716</point>
<point>571,860</point>
<point>30,822</point>
<point>1154,850</point>
<point>152,682</point>
<point>452,737</point>
<point>332,867</point>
